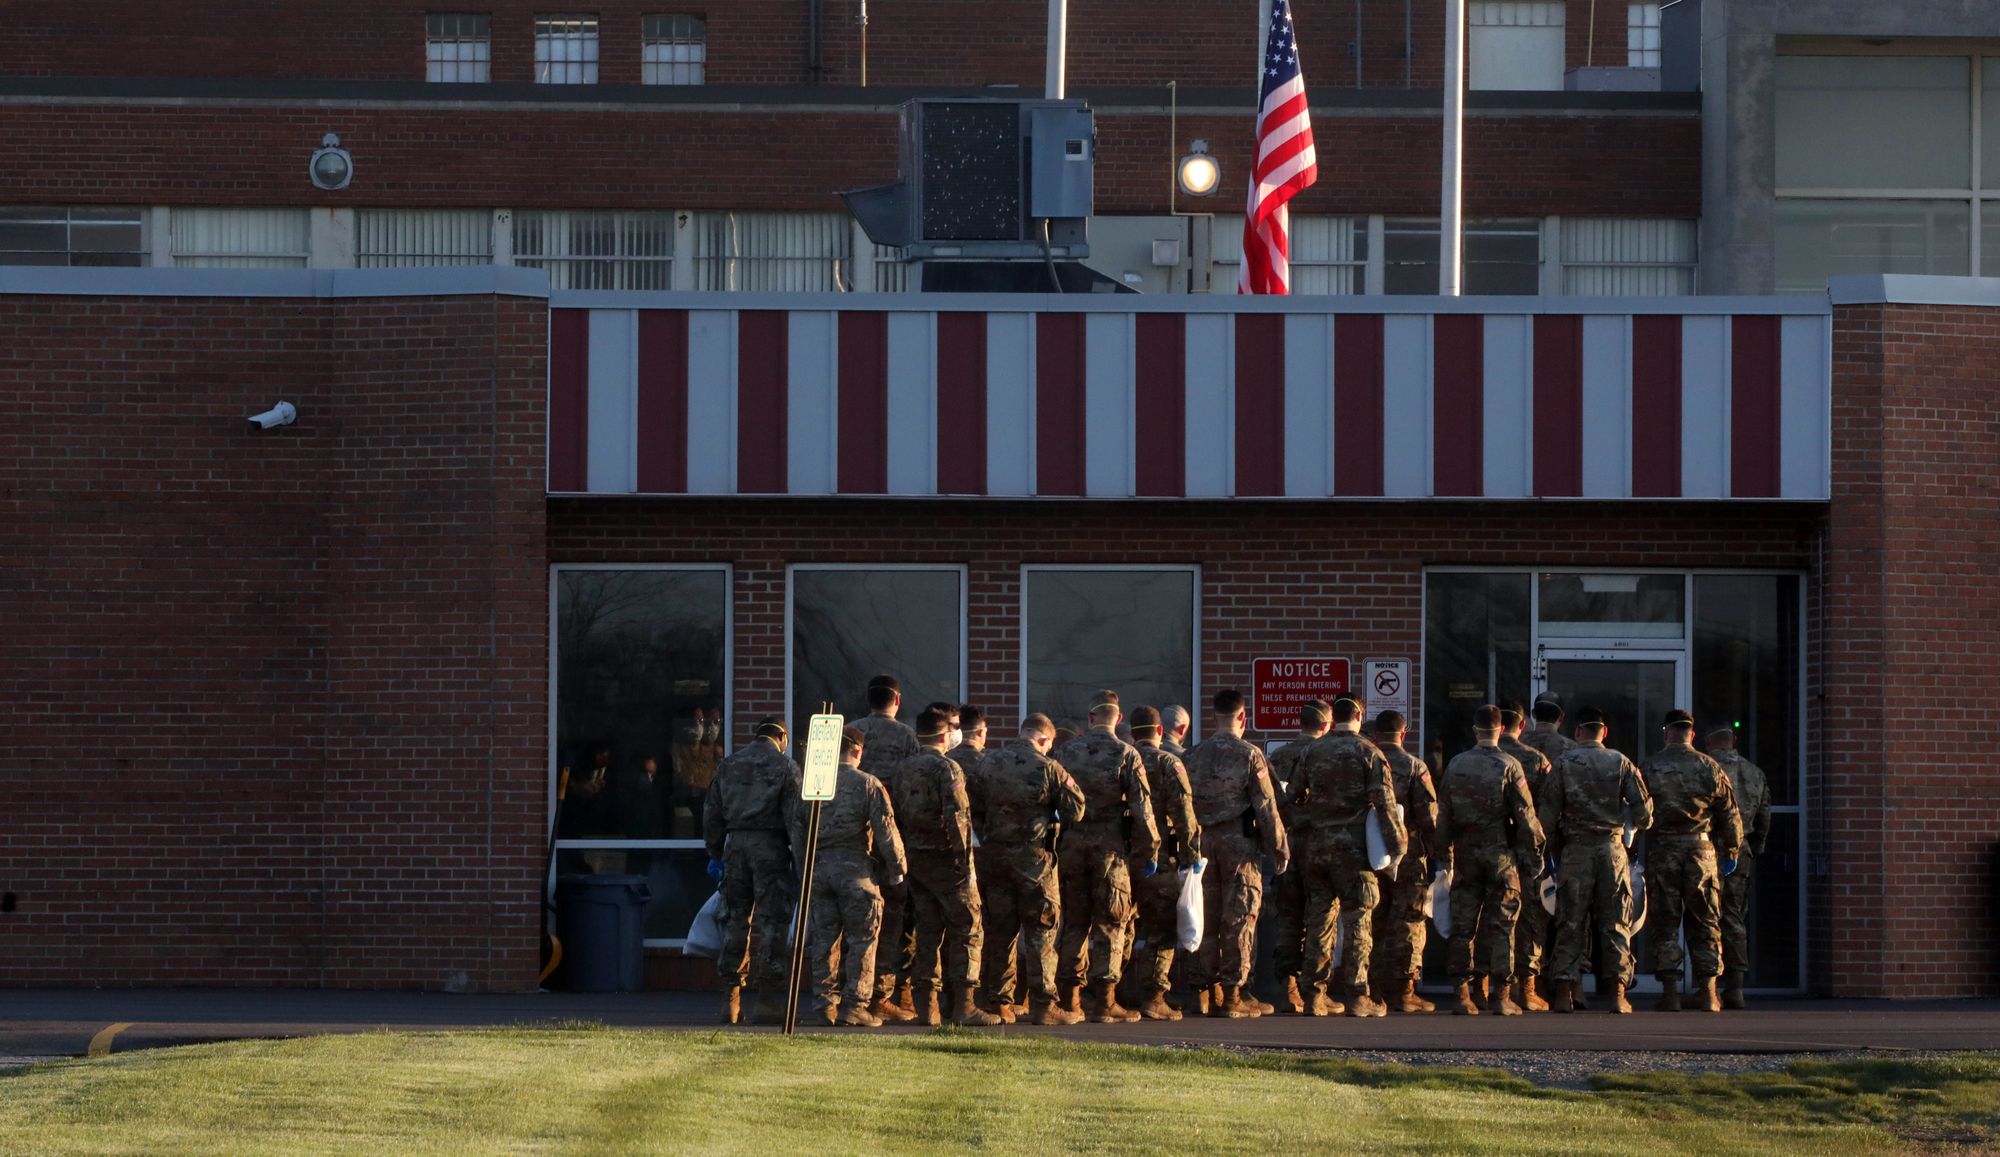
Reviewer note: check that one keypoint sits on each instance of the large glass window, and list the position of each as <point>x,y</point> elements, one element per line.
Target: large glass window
<point>397,237</point>
<point>676,49</point>
<point>241,238</point>
<point>1628,256</point>
<point>774,252</point>
<point>79,236</point>
<point>1500,256</point>
<point>1599,606</point>
<point>1875,170</point>
<point>1130,630</point>
<point>458,48</point>
<point>1514,44</point>
<point>642,695</point>
<point>597,250</point>
<point>1475,652</point>
<point>565,50</point>
<point>850,624</point>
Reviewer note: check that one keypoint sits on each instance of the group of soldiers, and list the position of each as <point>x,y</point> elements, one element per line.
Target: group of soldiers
<point>1040,882</point>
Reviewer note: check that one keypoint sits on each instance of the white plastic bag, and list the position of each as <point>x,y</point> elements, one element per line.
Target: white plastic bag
<point>1188,915</point>
<point>704,936</point>
<point>1441,903</point>
<point>1549,893</point>
<point>1378,848</point>
<point>1637,908</point>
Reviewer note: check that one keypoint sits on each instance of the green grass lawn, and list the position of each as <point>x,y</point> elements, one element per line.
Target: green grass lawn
<point>588,1090</point>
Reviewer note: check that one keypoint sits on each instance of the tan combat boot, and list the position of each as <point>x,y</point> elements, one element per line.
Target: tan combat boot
<point>1705,999</point>
<point>1047,1012</point>
<point>969,1013</point>
<point>825,1013</point>
<point>1069,1002</point>
<point>887,1011</point>
<point>1562,996</point>
<point>1105,1006</point>
<point>1576,995</point>
<point>1619,1004</point>
<point>1289,1001</point>
<point>927,1006</point>
<point>1318,1003</point>
<point>905,997</point>
<point>1235,1006</point>
<point>1527,994</point>
<point>1195,1002</point>
<point>1670,995</point>
<point>1463,995</point>
<point>1362,1004</point>
<point>1264,1008</point>
<point>1155,1007</point>
<point>855,1016</point>
<point>1732,991</point>
<point>1503,1000</point>
<point>1404,998</point>
<point>732,1004</point>
<point>1213,1002</point>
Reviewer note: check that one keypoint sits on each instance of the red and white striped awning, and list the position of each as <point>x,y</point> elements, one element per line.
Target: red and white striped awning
<point>1122,397</point>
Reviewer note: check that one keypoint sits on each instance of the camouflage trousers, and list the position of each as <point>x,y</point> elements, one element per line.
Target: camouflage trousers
<point>1232,889</point>
<point>1485,905</point>
<point>1531,934</point>
<point>1023,908</point>
<point>1593,889</point>
<point>842,923</point>
<point>1400,923</point>
<point>1684,893</point>
<point>1337,880</point>
<point>1285,917</point>
<point>889,963</point>
<point>1158,903</point>
<point>757,887</point>
<point>949,937</point>
<point>1736,889</point>
<point>1096,903</point>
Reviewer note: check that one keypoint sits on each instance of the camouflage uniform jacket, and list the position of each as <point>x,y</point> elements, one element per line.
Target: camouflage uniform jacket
<point>856,824</point>
<point>1113,779</point>
<point>1753,798</point>
<point>1018,794</point>
<point>968,758</point>
<point>1589,792</point>
<point>1173,804</point>
<point>1692,796</point>
<point>1340,779</point>
<point>1232,790</point>
<point>1533,763</point>
<point>1553,744</point>
<point>1417,794</point>
<point>1286,764</point>
<point>750,793</point>
<point>886,743</point>
<point>1483,800</point>
<point>932,810</point>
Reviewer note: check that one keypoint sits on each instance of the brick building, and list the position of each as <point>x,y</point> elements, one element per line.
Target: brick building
<point>652,454</point>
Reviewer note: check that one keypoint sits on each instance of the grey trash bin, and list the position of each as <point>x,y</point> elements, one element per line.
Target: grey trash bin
<point>602,923</point>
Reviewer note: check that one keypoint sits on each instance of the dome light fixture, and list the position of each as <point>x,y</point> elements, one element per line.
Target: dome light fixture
<point>1198,173</point>
<point>332,168</point>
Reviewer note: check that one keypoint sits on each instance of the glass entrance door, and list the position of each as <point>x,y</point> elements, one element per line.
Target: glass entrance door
<point>1635,690</point>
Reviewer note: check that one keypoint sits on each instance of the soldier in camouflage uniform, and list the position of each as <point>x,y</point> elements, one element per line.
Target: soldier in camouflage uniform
<point>1695,823</point>
<point>1238,811</point>
<point>1096,881</point>
<point>750,852</point>
<point>1592,792</point>
<point>1399,919</point>
<point>1533,930</point>
<point>889,742</point>
<point>1342,778</point>
<point>933,814</point>
<point>1546,736</point>
<point>1753,803</point>
<point>1019,795</point>
<point>1285,896</point>
<point>1158,898</point>
<point>1174,723</point>
<point>858,850</point>
<point>1487,819</point>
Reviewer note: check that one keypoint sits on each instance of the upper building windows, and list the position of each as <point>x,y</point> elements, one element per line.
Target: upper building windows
<point>1642,36</point>
<point>676,49</point>
<point>458,48</point>
<point>32,236</point>
<point>1515,44</point>
<point>565,50</point>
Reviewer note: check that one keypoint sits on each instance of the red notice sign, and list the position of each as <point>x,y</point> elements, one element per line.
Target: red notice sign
<point>1280,686</point>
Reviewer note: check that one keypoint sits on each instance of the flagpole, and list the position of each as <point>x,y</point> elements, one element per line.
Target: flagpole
<point>1451,223</point>
<point>1054,80</point>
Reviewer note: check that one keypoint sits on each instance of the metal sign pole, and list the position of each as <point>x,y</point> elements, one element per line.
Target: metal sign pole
<point>821,774</point>
<point>799,919</point>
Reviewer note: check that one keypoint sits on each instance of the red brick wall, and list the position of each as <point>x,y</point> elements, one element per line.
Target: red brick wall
<point>1912,804</point>
<point>910,42</point>
<point>686,159</point>
<point>276,703</point>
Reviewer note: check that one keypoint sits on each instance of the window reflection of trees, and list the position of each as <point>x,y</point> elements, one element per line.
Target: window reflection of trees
<point>1131,631</point>
<point>850,625</point>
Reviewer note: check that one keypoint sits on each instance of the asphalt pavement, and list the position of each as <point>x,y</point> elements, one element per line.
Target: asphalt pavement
<point>79,1022</point>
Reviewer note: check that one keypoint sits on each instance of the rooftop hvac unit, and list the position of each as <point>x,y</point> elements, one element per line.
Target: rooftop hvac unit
<point>980,178</point>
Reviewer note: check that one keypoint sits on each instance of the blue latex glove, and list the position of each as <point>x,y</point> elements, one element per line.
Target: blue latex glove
<point>1552,865</point>
<point>1729,867</point>
<point>1152,866</point>
<point>715,869</point>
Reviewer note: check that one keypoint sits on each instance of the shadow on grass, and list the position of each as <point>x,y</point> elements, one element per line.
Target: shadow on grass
<point>1952,1099</point>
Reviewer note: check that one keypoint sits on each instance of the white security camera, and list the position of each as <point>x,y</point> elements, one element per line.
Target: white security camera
<point>282,414</point>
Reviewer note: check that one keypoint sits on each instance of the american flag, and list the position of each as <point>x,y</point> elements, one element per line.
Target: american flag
<point>1285,164</point>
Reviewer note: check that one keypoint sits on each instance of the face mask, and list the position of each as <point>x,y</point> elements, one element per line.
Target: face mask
<point>953,738</point>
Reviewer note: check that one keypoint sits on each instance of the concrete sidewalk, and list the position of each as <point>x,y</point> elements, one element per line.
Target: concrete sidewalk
<point>74,1022</point>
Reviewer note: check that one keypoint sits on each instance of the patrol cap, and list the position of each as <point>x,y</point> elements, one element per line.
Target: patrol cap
<point>1487,718</point>
<point>1548,697</point>
<point>1589,715</point>
<point>1548,708</point>
<point>1678,718</point>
